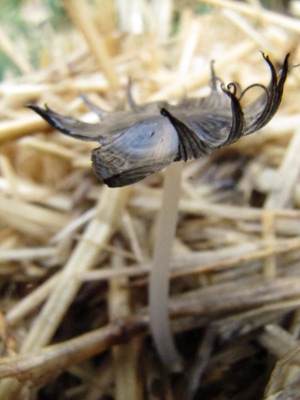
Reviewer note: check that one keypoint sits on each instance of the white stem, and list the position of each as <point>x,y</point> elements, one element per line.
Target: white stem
<point>159,277</point>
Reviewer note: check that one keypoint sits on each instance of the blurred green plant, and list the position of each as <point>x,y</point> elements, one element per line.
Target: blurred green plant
<point>24,28</point>
<point>58,16</point>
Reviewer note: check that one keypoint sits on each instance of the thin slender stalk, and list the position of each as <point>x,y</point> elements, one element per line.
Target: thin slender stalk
<point>159,277</point>
<point>80,16</point>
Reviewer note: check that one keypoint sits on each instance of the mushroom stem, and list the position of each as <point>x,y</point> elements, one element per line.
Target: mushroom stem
<point>159,277</point>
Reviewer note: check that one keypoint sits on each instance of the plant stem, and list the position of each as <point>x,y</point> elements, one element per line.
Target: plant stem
<point>159,277</point>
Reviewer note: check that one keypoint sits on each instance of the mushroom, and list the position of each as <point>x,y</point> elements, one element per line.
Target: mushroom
<point>135,144</point>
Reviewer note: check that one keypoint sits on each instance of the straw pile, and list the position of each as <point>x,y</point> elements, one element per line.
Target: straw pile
<point>75,255</point>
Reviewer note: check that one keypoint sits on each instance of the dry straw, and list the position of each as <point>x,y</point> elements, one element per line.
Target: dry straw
<point>76,257</point>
